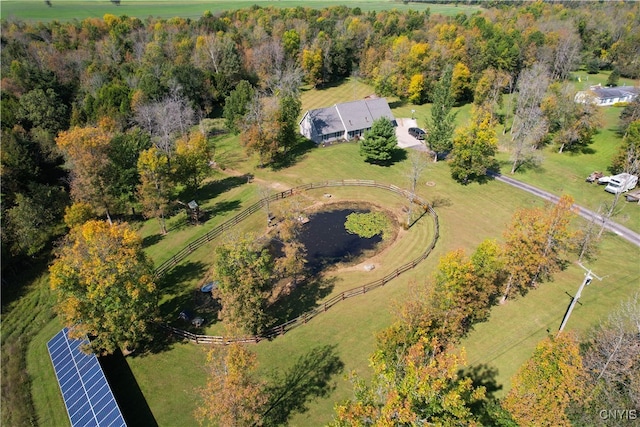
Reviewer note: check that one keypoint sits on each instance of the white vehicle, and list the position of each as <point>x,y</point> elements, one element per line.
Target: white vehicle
<point>621,183</point>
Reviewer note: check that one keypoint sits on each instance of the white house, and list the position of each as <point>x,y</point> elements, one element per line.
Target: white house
<point>344,121</point>
<point>604,96</point>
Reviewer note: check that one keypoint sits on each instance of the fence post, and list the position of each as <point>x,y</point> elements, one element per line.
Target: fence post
<point>325,306</point>
<point>364,289</point>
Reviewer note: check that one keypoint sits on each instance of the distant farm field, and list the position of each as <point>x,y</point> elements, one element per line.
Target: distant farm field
<point>36,10</point>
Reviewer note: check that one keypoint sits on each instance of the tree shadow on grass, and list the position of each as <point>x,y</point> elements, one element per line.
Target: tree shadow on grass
<point>397,155</point>
<point>297,153</point>
<point>212,189</point>
<point>309,378</point>
<point>151,240</point>
<point>180,273</point>
<point>301,299</point>
<point>224,207</point>
<point>485,376</point>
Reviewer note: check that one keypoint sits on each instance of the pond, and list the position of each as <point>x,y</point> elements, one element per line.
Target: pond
<point>328,242</point>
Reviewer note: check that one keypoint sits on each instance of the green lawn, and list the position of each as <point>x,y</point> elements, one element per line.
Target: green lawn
<point>36,10</point>
<point>468,214</point>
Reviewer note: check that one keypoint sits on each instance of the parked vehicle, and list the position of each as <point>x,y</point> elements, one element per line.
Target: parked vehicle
<point>594,177</point>
<point>621,183</point>
<point>417,133</point>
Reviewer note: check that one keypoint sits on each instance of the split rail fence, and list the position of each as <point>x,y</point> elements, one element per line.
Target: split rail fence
<point>304,318</point>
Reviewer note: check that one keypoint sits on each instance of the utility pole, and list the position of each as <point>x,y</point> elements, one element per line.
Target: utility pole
<point>587,280</point>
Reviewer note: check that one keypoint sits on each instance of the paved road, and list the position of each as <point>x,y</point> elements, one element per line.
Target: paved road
<point>620,230</point>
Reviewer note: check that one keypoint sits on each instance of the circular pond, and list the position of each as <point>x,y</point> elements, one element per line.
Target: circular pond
<point>328,242</point>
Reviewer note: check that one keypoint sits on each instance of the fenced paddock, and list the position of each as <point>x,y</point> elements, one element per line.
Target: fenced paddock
<point>323,307</point>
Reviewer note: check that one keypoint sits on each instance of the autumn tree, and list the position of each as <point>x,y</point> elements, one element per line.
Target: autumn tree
<point>260,129</point>
<point>474,148</point>
<point>233,395</point>
<point>612,364</point>
<point>627,159</point>
<point>544,386</point>
<point>529,127</point>
<point>87,151</point>
<point>422,388</point>
<point>104,286</point>
<point>489,89</point>
<point>573,124</point>
<point>293,261</point>
<point>379,142</point>
<point>78,213</point>
<point>164,120</point>
<point>312,63</point>
<point>536,244</point>
<point>246,279</point>
<point>155,187</point>
<point>441,124</point>
<point>192,159</point>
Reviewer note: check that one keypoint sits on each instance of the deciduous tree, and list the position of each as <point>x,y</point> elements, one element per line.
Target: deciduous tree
<point>536,243</point>
<point>155,186</point>
<point>529,126</point>
<point>192,159</point>
<point>87,150</point>
<point>104,286</point>
<point>628,157</point>
<point>423,388</point>
<point>474,149</point>
<point>544,386</point>
<point>233,395</point>
<point>246,279</point>
<point>379,142</point>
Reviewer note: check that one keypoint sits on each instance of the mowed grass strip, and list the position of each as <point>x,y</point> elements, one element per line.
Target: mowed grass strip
<point>36,10</point>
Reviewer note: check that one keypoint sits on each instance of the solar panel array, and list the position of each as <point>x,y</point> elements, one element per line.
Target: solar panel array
<point>85,390</point>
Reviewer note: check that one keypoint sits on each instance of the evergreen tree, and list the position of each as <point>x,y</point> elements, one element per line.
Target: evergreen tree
<point>441,125</point>
<point>379,142</point>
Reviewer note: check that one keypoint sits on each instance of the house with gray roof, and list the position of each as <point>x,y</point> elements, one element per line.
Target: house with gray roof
<point>345,121</point>
<point>605,96</point>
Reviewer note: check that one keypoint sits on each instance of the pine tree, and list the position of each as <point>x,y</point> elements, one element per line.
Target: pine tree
<point>379,142</point>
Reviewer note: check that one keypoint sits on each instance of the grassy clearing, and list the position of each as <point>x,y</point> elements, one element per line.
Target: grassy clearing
<point>468,214</point>
<point>36,10</point>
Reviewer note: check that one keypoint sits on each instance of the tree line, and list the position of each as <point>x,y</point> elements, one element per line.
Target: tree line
<point>155,78</point>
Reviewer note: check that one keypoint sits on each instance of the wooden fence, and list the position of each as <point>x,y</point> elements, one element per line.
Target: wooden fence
<point>304,318</point>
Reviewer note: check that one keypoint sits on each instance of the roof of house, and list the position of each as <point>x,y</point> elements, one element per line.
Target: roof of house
<point>614,92</point>
<point>352,115</point>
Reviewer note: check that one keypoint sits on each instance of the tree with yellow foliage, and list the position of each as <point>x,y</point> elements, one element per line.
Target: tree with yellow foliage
<point>104,286</point>
<point>233,396</point>
<point>544,386</point>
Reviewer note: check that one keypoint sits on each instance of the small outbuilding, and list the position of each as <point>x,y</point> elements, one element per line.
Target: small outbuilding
<point>345,121</point>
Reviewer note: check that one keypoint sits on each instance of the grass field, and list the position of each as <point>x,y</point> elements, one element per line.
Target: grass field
<point>36,10</point>
<point>468,214</point>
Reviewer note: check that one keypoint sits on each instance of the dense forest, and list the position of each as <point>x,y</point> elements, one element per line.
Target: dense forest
<point>57,76</point>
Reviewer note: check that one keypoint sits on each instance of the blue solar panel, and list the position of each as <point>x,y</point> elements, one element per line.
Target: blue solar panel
<point>85,390</point>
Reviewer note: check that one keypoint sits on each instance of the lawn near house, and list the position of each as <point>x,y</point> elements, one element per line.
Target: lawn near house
<point>468,214</point>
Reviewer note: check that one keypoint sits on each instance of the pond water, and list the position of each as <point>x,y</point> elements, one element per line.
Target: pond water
<point>328,242</point>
